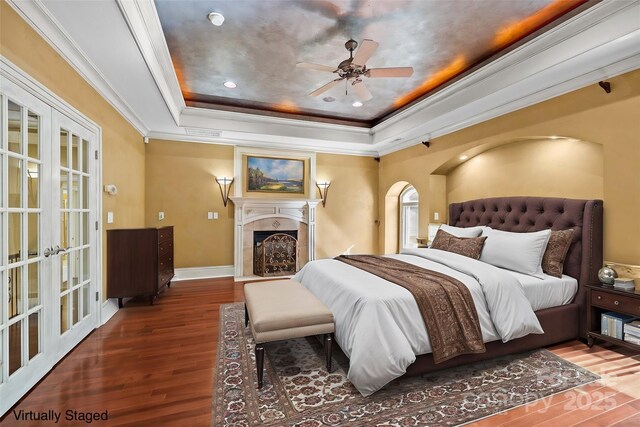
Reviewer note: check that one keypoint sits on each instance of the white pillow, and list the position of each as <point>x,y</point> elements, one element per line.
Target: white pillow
<point>462,231</point>
<point>521,252</point>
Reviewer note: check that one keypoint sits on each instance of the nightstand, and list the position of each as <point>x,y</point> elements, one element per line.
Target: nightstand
<point>601,299</point>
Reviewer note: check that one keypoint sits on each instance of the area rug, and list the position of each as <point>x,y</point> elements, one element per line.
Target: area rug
<point>297,390</point>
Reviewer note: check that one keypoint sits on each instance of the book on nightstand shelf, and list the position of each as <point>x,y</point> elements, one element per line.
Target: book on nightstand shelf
<point>632,329</point>
<point>612,324</point>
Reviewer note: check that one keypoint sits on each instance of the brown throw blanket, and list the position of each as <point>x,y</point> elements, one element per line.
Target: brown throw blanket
<point>445,303</point>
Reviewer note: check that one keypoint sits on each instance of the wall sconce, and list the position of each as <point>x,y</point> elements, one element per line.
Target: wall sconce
<point>323,186</point>
<point>225,185</point>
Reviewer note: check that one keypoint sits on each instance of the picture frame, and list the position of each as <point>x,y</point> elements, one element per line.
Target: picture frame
<point>278,175</point>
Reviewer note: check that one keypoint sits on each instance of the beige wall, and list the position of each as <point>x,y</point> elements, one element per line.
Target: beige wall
<point>179,177</point>
<point>588,114</point>
<point>122,147</point>
<point>180,183</point>
<point>348,221</point>
<point>545,168</point>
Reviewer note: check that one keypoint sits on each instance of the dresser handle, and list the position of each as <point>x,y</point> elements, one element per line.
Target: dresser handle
<point>616,302</point>
<point>599,297</point>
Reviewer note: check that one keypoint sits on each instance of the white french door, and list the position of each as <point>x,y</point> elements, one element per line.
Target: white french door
<point>73,232</point>
<point>48,250</point>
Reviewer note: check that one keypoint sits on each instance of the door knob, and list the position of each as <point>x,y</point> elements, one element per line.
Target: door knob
<point>58,249</point>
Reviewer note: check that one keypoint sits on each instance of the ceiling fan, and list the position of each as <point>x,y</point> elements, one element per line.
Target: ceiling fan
<point>354,68</point>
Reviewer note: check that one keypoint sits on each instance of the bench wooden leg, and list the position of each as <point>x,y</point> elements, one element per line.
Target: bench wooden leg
<point>246,316</point>
<point>328,347</point>
<point>260,363</point>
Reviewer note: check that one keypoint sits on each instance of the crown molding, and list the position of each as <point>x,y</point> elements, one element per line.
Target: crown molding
<point>35,13</point>
<point>259,140</point>
<point>143,21</point>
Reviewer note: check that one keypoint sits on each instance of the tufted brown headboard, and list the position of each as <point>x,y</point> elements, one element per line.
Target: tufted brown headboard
<point>526,214</point>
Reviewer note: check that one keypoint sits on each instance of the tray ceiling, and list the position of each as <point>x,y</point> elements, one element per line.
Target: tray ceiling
<point>260,42</point>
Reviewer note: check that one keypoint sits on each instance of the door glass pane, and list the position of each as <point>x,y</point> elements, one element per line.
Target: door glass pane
<point>75,257</point>
<point>34,237</point>
<point>85,300</point>
<point>15,183</point>
<point>15,237</point>
<point>33,185</point>
<point>15,347</point>
<point>33,150</point>
<point>34,334</point>
<point>85,264</point>
<point>76,306</point>
<point>64,229</point>
<point>85,156</point>
<point>75,144</point>
<point>75,191</point>
<point>34,284</point>
<point>14,117</point>
<point>85,192</point>
<point>64,141</point>
<point>64,271</point>
<point>14,279</point>
<point>74,230</point>
<point>64,313</point>
<point>64,190</point>
<point>85,228</point>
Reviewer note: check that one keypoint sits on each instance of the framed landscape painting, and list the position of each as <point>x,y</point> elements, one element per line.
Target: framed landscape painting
<point>275,175</point>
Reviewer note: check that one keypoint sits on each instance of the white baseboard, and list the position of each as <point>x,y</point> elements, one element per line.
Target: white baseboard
<point>210,272</point>
<point>109,308</point>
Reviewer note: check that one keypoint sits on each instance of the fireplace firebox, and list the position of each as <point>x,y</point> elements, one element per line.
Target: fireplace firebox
<point>275,253</point>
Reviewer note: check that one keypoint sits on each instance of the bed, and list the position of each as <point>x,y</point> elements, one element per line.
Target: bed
<point>377,326</point>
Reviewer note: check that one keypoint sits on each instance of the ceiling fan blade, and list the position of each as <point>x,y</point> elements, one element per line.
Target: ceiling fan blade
<point>366,49</point>
<point>362,92</point>
<point>390,72</point>
<point>316,67</point>
<point>325,88</point>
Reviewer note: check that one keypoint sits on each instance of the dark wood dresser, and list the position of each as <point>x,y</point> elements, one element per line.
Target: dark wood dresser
<point>139,262</point>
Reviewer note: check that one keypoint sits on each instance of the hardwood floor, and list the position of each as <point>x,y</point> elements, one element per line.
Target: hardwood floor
<point>153,366</point>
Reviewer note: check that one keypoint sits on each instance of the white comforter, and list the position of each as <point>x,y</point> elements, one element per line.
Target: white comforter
<point>379,326</point>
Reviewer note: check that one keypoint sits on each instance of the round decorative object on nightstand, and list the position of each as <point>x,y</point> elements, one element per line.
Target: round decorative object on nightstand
<point>607,275</point>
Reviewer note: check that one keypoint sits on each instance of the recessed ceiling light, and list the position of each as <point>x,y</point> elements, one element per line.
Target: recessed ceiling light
<point>328,99</point>
<point>464,157</point>
<point>216,18</point>
<point>229,84</point>
<point>357,104</point>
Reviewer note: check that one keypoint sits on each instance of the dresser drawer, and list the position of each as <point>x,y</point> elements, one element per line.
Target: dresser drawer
<point>165,263</point>
<point>616,302</point>
<point>165,248</point>
<point>165,235</point>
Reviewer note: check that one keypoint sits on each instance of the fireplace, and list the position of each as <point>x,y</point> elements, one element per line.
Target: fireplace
<point>275,253</point>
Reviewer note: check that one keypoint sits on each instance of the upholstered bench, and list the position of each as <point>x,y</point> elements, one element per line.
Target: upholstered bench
<point>284,309</point>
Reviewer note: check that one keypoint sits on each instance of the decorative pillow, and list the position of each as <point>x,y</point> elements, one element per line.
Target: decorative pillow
<point>521,252</point>
<point>557,248</point>
<point>462,231</point>
<point>467,246</point>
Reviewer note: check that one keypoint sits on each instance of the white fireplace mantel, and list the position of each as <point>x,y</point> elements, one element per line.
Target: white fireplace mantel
<point>251,209</point>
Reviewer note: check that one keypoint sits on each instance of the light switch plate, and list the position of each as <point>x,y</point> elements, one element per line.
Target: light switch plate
<point>209,215</point>
<point>160,216</point>
<point>109,217</point>
<point>215,215</point>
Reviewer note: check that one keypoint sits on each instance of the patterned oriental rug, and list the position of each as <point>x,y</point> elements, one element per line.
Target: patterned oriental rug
<point>297,390</point>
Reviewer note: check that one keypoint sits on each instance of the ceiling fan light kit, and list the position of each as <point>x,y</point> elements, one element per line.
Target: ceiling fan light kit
<point>354,68</point>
